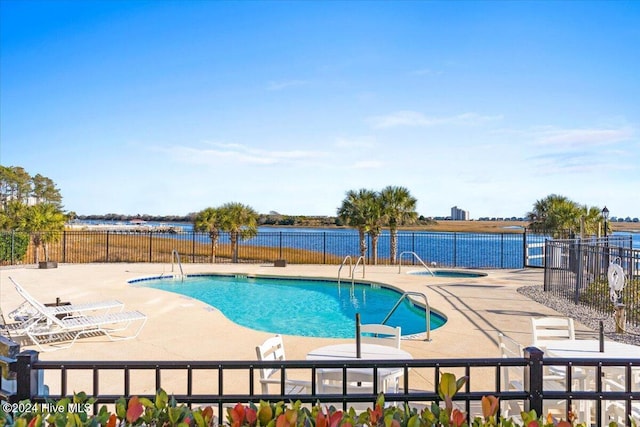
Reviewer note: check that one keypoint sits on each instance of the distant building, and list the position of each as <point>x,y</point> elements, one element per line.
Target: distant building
<point>459,214</point>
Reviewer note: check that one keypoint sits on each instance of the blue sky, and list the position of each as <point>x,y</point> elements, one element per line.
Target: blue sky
<point>167,107</point>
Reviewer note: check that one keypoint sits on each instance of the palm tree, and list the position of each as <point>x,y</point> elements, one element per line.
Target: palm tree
<point>374,221</point>
<point>356,211</point>
<point>45,222</point>
<point>240,221</point>
<point>561,218</point>
<point>208,220</point>
<point>591,220</point>
<point>399,208</point>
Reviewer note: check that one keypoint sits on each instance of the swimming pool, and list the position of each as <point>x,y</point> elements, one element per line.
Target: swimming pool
<point>449,273</point>
<point>299,306</point>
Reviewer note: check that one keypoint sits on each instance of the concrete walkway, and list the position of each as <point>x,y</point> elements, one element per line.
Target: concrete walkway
<point>180,328</point>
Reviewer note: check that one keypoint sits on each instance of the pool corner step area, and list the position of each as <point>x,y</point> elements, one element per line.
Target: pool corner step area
<point>461,274</point>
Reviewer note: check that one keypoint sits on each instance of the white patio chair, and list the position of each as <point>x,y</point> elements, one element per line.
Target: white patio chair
<point>273,350</point>
<point>50,328</point>
<point>551,328</point>
<point>373,333</point>
<point>614,410</point>
<point>513,380</point>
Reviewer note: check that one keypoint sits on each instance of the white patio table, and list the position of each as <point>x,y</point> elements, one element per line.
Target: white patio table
<point>590,349</point>
<point>368,352</point>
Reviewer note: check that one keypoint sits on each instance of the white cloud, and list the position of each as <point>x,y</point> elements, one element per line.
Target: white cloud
<point>417,119</point>
<point>583,137</point>
<point>239,153</point>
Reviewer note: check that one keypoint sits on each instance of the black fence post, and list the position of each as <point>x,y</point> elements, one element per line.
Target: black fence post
<point>13,247</point>
<point>193,246</point>
<point>533,379</point>
<point>455,249</point>
<point>27,378</point>
<point>324,247</point>
<point>576,249</point>
<point>546,264</point>
<point>524,248</point>
<point>150,246</point>
<point>64,246</point>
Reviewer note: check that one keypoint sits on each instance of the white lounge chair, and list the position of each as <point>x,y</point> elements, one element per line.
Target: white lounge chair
<point>48,327</point>
<point>13,329</point>
<point>373,333</point>
<point>25,314</point>
<point>273,349</point>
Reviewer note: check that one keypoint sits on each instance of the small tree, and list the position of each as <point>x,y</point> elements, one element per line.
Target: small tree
<point>399,208</point>
<point>45,222</point>
<point>240,221</point>
<point>562,218</point>
<point>357,210</point>
<point>209,220</point>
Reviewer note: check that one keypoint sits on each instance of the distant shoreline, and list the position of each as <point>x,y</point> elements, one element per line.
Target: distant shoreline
<point>476,226</point>
<point>473,226</point>
<point>509,226</point>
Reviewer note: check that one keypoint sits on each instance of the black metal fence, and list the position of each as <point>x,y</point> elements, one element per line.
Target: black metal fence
<point>469,250</point>
<point>225,383</point>
<point>578,270</point>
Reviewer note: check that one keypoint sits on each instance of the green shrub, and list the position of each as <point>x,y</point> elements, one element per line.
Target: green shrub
<point>598,290</point>
<point>19,242</point>
<point>166,412</point>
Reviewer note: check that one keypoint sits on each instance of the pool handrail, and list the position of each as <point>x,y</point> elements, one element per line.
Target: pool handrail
<point>415,255</point>
<point>344,261</point>
<point>427,310</point>
<point>353,272</point>
<point>176,256</point>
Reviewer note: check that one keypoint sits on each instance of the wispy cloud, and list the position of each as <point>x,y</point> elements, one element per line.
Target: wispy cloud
<point>241,154</point>
<point>417,119</point>
<point>577,163</point>
<point>284,84</point>
<point>583,137</point>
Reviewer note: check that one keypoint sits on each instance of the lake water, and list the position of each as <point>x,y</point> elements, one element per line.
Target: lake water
<point>471,250</point>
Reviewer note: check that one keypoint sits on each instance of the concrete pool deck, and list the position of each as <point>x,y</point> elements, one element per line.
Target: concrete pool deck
<point>181,328</point>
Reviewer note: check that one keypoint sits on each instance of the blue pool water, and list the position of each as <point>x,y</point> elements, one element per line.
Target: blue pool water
<point>449,273</point>
<point>304,307</point>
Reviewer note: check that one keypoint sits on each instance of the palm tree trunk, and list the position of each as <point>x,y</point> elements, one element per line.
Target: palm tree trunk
<point>394,244</point>
<point>214,247</point>
<point>234,246</point>
<point>363,243</point>
<point>374,248</point>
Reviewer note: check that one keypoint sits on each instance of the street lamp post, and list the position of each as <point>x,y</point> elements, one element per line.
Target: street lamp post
<point>605,215</point>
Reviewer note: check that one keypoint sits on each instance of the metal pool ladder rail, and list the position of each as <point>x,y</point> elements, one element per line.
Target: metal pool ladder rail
<point>352,269</point>
<point>176,256</point>
<point>427,310</point>
<point>415,255</point>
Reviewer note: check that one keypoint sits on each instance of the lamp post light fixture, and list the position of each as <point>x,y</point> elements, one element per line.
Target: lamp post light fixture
<point>605,215</point>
